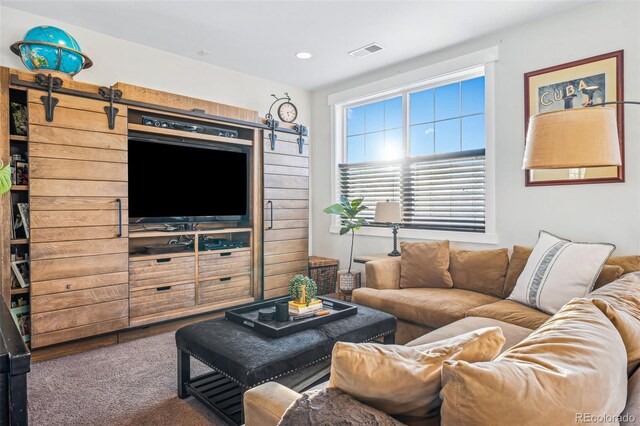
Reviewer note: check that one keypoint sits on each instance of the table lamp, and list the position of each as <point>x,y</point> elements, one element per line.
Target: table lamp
<point>389,212</point>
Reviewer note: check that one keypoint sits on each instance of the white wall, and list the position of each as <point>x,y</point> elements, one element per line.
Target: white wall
<point>603,212</point>
<point>119,60</point>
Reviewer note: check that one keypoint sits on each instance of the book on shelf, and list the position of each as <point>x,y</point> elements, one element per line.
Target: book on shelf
<point>19,170</point>
<point>23,208</point>
<point>22,319</point>
<point>303,308</point>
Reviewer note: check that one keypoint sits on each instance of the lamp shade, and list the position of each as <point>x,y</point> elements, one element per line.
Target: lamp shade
<point>572,138</point>
<point>388,212</point>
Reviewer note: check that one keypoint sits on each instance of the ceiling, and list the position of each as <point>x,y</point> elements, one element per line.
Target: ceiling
<point>261,37</point>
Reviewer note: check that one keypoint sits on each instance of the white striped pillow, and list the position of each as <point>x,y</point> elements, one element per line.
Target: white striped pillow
<point>559,270</point>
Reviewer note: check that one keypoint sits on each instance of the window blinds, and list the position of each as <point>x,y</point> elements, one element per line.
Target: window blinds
<point>441,192</point>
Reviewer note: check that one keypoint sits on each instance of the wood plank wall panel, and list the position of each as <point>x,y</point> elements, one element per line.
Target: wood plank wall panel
<point>286,226</point>
<point>79,266</point>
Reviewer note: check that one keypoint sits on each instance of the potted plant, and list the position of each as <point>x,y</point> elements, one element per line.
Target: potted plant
<point>348,211</point>
<point>303,290</point>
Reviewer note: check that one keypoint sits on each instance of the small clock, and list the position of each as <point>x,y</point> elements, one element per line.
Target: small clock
<point>287,112</point>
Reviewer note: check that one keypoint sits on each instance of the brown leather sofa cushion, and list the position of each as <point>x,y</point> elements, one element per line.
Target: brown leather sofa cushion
<point>432,307</point>
<point>511,312</point>
<point>482,270</point>
<point>613,269</point>
<point>425,265</point>
<point>513,334</point>
<point>575,363</point>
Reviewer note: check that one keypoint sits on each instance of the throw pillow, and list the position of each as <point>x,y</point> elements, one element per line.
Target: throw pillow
<point>609,274</point>
<point>575,364</point>
<point>518,261</point>
<point>629,329</point>
<point>425,265</point>
<point>482,271</point>
<point>628,263</point>
<point>558,271</point>
<point>402,380</point>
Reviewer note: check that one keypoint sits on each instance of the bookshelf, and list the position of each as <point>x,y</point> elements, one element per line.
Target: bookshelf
<point>19,248</point>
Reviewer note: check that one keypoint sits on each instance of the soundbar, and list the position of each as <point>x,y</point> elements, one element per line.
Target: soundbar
<point>188,127</point>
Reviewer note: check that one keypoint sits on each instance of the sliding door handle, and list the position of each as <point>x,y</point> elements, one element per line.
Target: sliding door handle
<point>119,201</point>
<point>270,203</point>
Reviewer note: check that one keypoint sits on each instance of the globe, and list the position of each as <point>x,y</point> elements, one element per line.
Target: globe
<point>50,48</point>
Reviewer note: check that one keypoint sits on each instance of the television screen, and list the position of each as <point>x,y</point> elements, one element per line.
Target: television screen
<point>186,183</point>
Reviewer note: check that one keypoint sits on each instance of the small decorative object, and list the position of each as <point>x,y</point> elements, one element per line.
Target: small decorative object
<point>348,212</point>
<point>288,113</point>
<point>575,85</point>
<point>5,177</point>
<point>267,314</point>
<point>389,212</point>
<point>21,270</point>
<point>18,123</point>
<point>282,311</point>
<point>50,49</point>
<point>303,290</point>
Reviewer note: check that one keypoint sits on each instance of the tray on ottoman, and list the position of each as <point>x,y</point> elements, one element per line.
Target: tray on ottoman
<point>248,316</point>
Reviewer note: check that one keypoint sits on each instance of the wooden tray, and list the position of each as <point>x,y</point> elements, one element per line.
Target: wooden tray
<point>248,316</point>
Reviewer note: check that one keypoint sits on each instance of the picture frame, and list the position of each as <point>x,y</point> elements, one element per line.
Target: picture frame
<point>21,271</point>
<point>23,208</point>
<point>21,317</point>
<point>574,85</point>
<point>18,122</point>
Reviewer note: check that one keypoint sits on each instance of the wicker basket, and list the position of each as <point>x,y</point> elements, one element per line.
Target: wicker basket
<point>324,271</point>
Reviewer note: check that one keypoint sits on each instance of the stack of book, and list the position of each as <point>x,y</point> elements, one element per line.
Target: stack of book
<point>302,308</point>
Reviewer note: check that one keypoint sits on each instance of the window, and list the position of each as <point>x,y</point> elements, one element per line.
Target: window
<point>424,147</point>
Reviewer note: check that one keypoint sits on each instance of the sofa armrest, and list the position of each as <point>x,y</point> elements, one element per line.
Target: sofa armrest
<point>383,274</point>
<point>265,405</point>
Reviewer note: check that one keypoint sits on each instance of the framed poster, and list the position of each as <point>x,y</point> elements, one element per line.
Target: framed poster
<point>576,84</point>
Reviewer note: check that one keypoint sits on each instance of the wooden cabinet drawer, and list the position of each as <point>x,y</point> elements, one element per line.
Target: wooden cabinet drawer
<point>42,288</point>
<point>223,263</point>
<point>52,269</point>
<point>62,249</point>
<point>161,299</point>
<point>72,299</point>
<point>225,288</point>
<point>75,317</point>
<point>65,335</point>
<point>161,271</point>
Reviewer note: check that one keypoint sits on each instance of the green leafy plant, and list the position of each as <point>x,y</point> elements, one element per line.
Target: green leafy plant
<point>348,211</point>
<point>299,282</point>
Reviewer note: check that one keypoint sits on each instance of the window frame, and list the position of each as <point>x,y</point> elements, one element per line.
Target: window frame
<point>481,63</point>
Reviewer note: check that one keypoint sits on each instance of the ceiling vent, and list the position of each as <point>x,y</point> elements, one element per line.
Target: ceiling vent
<point>367,50</point>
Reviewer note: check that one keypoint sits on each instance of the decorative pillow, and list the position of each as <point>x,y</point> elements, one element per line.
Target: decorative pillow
<point>609,274</point>
<point>573,364</point>
<point>628,263</point>
<point>518,261</point>
<point>558,271</point>
<point>425,265</point>
<point>629,329</point>
<point>402,380</point>
<point>482,271</point>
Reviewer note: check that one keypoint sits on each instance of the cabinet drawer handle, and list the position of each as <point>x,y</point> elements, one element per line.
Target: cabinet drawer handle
<point>164,288</point>
<point>226,254</point>
<point>68,286</point>
<point>163,260</point>
<point>225,279</point>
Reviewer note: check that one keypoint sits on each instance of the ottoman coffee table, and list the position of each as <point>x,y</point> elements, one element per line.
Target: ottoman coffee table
<point>241,358</point>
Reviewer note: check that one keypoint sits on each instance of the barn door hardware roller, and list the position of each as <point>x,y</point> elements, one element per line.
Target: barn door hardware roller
<point>49,102</point>
<point>112,95</point>
<point>272,124</point>
<point>302,131</point>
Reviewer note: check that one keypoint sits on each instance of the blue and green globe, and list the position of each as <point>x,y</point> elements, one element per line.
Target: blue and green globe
<point>50,48</point>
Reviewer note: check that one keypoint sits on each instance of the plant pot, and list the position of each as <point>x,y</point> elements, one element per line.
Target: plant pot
<point>347,282</point>
<point>303,295</point>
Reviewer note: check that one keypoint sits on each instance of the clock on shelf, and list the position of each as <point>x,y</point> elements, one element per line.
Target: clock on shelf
<point>287,112</point>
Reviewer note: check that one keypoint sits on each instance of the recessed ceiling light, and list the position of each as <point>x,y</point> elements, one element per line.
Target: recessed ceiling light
<point>303,55</point>
<point>203,52</point>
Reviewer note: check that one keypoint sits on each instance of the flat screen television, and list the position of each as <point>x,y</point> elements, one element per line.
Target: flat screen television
<point>178,182</point>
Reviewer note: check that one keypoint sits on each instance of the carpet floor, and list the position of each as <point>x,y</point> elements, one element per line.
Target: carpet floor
<point>131,384</point>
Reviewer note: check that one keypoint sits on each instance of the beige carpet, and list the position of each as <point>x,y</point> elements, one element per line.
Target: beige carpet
<point>128,384</point>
